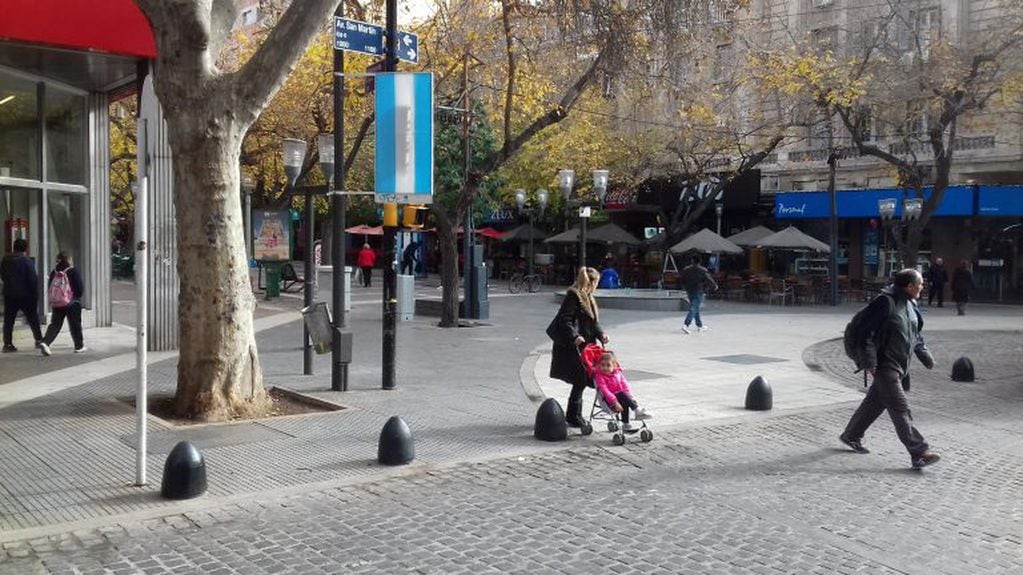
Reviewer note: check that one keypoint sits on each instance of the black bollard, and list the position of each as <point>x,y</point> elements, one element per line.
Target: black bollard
<point>550,422</point>
<point>758,395</point>
<point>395,446</point>
<point>184,473</point>
<point>962,369</point>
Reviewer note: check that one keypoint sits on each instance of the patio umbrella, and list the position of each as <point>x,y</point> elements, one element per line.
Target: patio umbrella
<point>567,237</point>
<point>707,242</point>
<point>521,234</point>
<point>489,232</point>
<point>792,239</point>
<point>366,230</point>
<point>611,234</point>
<point>750,237</point>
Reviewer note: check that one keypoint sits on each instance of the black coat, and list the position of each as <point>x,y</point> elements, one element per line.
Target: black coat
<point>570,322</point>
<point>962,283</point>
<point>18,273</point>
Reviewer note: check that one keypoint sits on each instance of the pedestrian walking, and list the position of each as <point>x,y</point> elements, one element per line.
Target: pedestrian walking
<point>962,285</point>
<point>366,260</point>
<point>575,325</point>
<point>21,293</point>
<point>891,325</point>
<point>65,290</point>
<point>937,277</point>
<point>409,258</point>
<point>697,282</point>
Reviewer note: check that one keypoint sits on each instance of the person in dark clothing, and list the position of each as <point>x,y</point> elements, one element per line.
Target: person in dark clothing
<point>894,324</point>
<point>21,293</point>
<point>409,257</point>
<point>937,278</point>
<point>575,325</point>
<point>73,311</point>
<point>962,284</point>
<point>696,280</point>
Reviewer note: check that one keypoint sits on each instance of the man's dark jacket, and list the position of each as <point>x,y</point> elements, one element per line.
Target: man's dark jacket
<point>695,279</point>
<point>19,276</point>
<point>895,323</point>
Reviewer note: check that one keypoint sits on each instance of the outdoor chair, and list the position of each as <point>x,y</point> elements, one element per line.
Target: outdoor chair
<point>735,288</point>
<point>289,277</point>
<point>780,291</point>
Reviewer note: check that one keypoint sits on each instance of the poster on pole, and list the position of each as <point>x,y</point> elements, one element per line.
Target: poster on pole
<point>404,138</point>
<point>271,235</point>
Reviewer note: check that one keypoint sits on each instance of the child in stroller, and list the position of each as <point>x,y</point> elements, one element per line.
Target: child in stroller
<point>614,397</point>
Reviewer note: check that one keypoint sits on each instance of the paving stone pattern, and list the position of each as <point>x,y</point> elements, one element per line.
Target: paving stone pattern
<point>773,496</point>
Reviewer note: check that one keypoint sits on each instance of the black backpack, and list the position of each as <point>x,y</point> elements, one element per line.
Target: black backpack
<point>857,331</point>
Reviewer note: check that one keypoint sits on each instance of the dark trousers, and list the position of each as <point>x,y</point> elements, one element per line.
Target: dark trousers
<point>936,291</point>
<point>367,276</point>
<point>886,393</point>
<point>73,313</point>
<point>12,305</point>
<point>409,265</point>
<point>627,403</point>
<point>574,412</point>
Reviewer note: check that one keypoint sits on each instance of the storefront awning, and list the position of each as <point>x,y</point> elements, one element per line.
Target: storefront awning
<point>1000,201</point>
<point>957,201</point>
<point>111,26</point>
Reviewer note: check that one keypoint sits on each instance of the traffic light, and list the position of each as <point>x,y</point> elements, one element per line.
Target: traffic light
<point>413,216</point>
<point>391,215</point>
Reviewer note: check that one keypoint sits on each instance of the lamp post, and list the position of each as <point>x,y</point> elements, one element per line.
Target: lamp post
<point>530,210</point>
<point>566,180</point>
<point>912,208</point>
<point>247,186</point>
<point>293,154</point>
<point>719,209</point>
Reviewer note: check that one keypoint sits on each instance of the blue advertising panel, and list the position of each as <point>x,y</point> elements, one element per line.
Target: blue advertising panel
<point>957,201</point>
<point>1000,201</point>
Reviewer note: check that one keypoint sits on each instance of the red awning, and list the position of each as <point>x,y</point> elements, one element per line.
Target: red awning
<point>363,229</point>
<point>490,233</point>
<point>111,26</point>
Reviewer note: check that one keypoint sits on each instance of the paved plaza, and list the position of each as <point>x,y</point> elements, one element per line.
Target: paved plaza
<point>719,490</point>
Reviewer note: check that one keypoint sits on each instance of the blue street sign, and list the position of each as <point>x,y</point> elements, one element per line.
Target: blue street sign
<point>357,36</point>
<point>404,138</point>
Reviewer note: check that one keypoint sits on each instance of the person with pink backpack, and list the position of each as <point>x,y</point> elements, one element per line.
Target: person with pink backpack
<point>65,296</point>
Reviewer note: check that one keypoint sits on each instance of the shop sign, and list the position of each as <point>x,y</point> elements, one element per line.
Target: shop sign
<point>870,246</point>
<point>995,263</point>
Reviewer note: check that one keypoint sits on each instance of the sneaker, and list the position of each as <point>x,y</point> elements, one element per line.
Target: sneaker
<point>702,328</point>
<point>82,349</point>
<point>854,444</point>
<point>573,422</point>
<point>685,329</point>
<point>642,413</point>
<point>924,459</point>
<point>10,349</point>
<point>631,426</point>
<point>44,348</point>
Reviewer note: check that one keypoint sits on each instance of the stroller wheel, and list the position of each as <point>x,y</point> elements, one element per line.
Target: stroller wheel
<point>618,439</point>
<point>586,429</point>
<point>612,426</point>
<point>646,435</point>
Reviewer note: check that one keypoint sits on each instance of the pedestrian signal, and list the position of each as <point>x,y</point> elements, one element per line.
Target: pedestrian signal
<point>391,215</point>
<point>413,216</point>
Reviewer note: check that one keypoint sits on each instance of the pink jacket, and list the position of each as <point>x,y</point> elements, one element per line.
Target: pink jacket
<point>611,383</point>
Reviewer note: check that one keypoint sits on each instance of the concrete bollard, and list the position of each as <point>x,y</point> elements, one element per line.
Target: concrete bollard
<point>962,370</point>
<point>550,422</point>
<point>395,446</point>
<point>759,396</point>
<point>184,473</point>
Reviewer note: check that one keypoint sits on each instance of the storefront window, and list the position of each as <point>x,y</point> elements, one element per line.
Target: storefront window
<point>66,128</point>
<point>67,229</point>
<point>19,127</point>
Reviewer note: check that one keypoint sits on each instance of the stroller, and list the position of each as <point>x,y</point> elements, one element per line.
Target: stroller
<point>590,358</point>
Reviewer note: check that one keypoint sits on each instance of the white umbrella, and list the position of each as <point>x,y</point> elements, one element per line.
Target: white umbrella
<point>707,242</point>
<point>750,237</point>
<point>792,239</point>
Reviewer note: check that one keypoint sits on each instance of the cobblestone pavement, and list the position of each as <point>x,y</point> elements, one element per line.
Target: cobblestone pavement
<point>771,496</point>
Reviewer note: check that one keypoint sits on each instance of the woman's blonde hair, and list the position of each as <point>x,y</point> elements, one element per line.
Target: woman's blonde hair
<point>586,280</point>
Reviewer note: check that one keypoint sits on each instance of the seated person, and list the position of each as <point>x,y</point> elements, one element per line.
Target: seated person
<point>609,279</point>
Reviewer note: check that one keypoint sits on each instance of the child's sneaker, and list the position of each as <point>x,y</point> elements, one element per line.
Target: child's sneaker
<point>642,413</point>
<point>630,426</point>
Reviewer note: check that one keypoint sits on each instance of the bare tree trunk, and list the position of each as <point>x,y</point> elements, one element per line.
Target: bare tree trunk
<point>447,235</point>
<point>219,376</point>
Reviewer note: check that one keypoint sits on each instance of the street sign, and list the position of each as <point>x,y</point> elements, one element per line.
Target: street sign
<point>358,36</point>
<point>404,138</point>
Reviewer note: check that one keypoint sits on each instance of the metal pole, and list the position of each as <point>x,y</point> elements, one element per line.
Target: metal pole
<point>338,369</point>
<point>529,252</point>
<point>833,231</point>
<point>469,290</point>
<point>310,281</point>
<point>582,241</point>
<point>390,303</point>
<point>142,303</point>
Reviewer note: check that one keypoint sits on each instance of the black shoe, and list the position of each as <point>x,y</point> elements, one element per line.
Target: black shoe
<point>574,422</point>
<point>924,459</point>
<point>10,349</point>
<point>854,444</point>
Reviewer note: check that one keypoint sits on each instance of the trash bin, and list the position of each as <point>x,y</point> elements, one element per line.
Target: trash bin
<point>273,279</point>
<point>321,331</point>
<point>406,297</point>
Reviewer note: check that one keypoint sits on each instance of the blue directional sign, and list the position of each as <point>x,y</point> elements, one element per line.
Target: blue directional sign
<point>357,36</point>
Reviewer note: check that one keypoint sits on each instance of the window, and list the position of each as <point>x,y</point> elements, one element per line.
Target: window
<point>19,127</point>
<point>928,29</point>
<point>66,132</point>
<point>821,3</point>
<point>865,124</point>
<point>820,132</point>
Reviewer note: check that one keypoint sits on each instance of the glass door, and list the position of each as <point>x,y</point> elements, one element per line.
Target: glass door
<point>20,214</point>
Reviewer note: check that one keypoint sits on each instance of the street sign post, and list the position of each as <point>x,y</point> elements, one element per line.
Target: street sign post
<point>358,36</point>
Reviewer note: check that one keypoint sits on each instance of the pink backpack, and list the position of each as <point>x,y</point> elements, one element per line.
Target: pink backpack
<point>60,293</point>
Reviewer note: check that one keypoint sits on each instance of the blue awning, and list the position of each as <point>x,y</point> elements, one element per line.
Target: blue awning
<point>957,201</point>
<point>1000,201</point>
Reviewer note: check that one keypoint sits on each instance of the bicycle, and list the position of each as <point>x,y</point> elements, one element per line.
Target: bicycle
<point>530,281</point>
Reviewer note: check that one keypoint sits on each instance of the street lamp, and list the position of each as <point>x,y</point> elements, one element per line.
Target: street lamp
<point>541,204</point>
<point>719,209</point>
<point>912,209</point>
<point>293,155</point>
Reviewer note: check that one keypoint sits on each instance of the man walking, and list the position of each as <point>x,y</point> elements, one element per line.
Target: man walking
<point>696,282</point>
<point>21,293</point>
<point>937,278</point>
<point>893,324</point>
